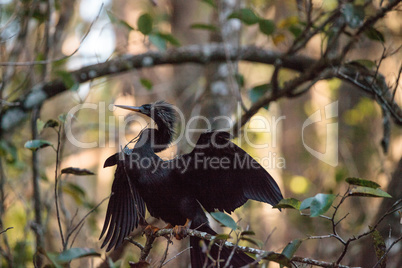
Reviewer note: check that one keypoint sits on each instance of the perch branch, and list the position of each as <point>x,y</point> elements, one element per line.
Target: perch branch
<point>259,252</point>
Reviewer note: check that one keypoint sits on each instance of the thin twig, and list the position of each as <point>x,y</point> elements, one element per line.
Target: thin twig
<point>76,235</point>
<point>168,242</point>
<point>83,218</point>
<point>56,190</point>
<point>388,250</point>
<point>321,236</point>
<point>397,82</point>
<point>6,230</point>
<point>341,219</point>
<point>318,263</point>
<point>395,207</point>
<point>227,264</point>
<point>43,62</point>
<point>177,255</point>
<point>132,241</point>
<point>37,203</point>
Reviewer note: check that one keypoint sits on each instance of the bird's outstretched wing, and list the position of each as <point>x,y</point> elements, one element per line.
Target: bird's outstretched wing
<point>223,176</point>
<point>125,207</point>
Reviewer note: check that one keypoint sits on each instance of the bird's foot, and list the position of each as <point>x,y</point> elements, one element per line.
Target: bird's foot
<point>168,226</point>
<point>180,231</point>
<point>150,230</point>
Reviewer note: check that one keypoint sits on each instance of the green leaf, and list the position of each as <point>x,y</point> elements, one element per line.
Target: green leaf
<point>239,79</point>
<point>116,264</point>
<point>39,125</point>
<point>266,26</point>
<point>222,237</point>
<point>278,258</point>
<point>374,34</point>
<point>68,80</point>
<point>126,25</point>
<point>44,177</point>
<point>210,3</point>
<point>246,15</point>
<point>353,14</point>
<point>158,41</point>
<point>379,246</point>
<point>295,30</point>
<point>77,171</point>
<point>76,253</point>
<point>35,145</point>
<point>144,24</point>
<point>369,64</point>
<point>112,17</point>
<point>249,232</point>
<point>51,123</point>
<point>306,203</point>
<point>225,219</point>
<point>340,174</point>
<point>62,117</point>
<point>288,203</point>
<point>361,182</point>
<point>8,151</point>
<point>253,241</point>
<point>52,257</point>
<point>169,38</point>
<point>291,248</point>
<point>370,192</point>
<point>146,83</point>
<point>257,92</point>
<point>320,204</point>
<point>116,20</point>
<point>39,14</point>
<point>75,191</point>
<point>204,26</point>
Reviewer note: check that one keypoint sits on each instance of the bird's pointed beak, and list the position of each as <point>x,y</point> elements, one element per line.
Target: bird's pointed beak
<point>131,108</point>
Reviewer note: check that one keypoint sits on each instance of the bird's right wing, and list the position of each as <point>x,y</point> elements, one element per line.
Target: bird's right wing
<point>223,176</point>
<point>125,207</point>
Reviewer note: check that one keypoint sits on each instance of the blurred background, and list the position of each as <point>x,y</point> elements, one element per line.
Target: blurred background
<point>82,33</point>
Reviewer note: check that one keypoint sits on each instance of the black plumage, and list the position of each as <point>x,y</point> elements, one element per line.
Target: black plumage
<point>216,175</point>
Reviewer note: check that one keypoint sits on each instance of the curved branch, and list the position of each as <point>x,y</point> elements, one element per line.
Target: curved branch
<point>6,230</point>
<point>268,255</point>
<point>198,54</point>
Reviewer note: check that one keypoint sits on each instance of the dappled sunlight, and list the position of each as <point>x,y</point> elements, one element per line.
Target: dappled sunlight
<point>299,184</point>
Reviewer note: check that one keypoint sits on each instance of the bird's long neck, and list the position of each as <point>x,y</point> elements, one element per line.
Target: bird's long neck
<point>163,136</point>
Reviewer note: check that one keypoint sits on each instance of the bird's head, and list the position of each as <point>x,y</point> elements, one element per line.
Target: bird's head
<point>164,116</point>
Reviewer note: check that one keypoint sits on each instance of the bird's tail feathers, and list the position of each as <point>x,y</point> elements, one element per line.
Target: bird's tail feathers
<point>199,253</point>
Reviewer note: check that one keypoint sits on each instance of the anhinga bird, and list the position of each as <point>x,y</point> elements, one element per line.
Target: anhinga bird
<point>216,175</point>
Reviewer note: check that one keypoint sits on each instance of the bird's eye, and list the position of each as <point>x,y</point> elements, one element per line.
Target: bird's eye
<point>145,109</point>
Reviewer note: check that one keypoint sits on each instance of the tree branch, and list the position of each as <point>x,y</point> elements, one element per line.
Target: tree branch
<point>268,255</point>
<point>318,263</point>
<point>6,230</point>
<point>198,54</point>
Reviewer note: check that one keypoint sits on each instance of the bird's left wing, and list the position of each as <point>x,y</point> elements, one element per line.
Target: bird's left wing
<point>125,207</point>
<point>223,176</point>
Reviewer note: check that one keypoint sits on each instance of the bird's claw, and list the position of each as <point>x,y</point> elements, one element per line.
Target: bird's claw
<point>180,231</point>
<point>150,230</point>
